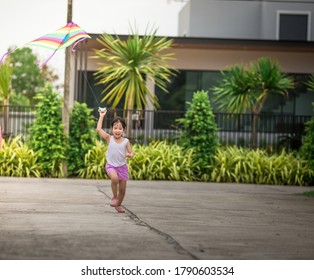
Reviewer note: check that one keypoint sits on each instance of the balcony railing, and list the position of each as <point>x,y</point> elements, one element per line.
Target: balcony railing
<point>160,125</point>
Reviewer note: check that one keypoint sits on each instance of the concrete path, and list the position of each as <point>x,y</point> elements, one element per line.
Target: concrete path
<point>71,219</point>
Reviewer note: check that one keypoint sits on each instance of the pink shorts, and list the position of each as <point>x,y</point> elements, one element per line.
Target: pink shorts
<point>122,171</point>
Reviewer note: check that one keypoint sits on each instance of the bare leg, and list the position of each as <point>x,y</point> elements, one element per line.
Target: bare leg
<point>122,190</point>
<point>114,183</point>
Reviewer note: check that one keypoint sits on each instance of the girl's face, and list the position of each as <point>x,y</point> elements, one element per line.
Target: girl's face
<point>117,130</point>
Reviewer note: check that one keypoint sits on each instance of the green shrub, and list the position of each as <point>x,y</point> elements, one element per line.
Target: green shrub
<point>307,149</point>
<point>156,161</point>
<point>95,162</point>
<point>199,129</point>
<point>81,136</point>
<point>243,165</point>
<point>17,160</point>
<point>47,134</point>
<point>162,161</point>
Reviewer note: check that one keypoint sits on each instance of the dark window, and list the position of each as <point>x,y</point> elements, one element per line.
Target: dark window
<point>183,86</point>
<point>181,89</point>
<point>293,27</point>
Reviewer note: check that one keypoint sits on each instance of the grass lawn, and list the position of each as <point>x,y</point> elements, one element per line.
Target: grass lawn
<point>309,194</point>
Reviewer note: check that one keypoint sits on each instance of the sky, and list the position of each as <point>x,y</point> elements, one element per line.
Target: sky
<point>26,20</point>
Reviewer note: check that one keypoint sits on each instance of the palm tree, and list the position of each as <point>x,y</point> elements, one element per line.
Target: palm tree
<point>310,82</point>
<point>246,89</point>
<point>6,72</point>
<point>127,63</point>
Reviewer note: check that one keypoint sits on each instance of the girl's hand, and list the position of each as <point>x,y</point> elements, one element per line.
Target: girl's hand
<point>129,155</point>
<point>102,111</point>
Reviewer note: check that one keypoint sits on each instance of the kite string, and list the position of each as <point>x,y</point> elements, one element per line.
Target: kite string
<point>87,81</point>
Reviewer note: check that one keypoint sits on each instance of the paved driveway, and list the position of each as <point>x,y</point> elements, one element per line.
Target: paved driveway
<point>71,219</point>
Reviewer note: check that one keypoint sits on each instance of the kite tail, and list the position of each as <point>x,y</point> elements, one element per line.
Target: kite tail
<point>2,58</point>
<point>80,40</point>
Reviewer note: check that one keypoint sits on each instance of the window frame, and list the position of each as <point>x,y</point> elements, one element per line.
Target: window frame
<point>293,12</point>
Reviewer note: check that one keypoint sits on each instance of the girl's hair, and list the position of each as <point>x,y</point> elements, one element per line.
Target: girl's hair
<point>118,120</point>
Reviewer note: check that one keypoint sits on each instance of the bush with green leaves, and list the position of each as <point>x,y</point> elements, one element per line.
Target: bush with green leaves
<point>95,162</point>
<point>163,161</point>
<point>47,136</point>
<point>199,129</point>
<point>81,136</point>
<point>18,160</point>
<point>307,149</point>
<point>156,161</point>
<point>243,165</point>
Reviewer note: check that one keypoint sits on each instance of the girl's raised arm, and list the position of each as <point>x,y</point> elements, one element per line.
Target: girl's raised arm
<point>99,129</point>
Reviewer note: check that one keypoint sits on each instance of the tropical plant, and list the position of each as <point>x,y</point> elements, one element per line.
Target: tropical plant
<point>18,160</point>
<point>6,74</point>
<point>307,150</point>
<point>163,161</point>
<point>95,162</point>
<point>310,82</point>
<point>155,161</point>
<point>81,136</point>
<point>199,129</point>
<point>245,89</point>
<point>127,64</point>
<point>242,165</point>
<point>47,134</point>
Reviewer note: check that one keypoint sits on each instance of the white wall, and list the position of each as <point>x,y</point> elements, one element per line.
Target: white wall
<point>232,19</point>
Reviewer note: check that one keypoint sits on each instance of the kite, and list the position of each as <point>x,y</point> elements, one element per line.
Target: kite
<point>71,34</point>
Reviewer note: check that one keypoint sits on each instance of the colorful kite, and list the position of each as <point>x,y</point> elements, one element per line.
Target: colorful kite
<point>58,40</point>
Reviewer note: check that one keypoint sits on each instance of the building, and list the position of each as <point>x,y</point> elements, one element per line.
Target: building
<point>216,34</point>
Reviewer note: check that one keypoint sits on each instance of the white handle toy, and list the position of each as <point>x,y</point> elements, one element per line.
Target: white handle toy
<point>102,109</point>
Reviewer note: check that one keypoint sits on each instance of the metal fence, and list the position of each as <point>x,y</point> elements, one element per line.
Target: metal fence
<point>160,125</point>
<point>15,120</point>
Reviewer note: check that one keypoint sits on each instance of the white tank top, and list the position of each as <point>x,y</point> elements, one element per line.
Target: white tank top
<point>116,152</point>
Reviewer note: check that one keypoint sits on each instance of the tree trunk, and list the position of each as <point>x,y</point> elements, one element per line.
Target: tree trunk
<point>66,96</point>
<point>129,118</point>
<point>6,113</point>
<point>129,123</point>
<point>255,113</point>
<point>254,131</point>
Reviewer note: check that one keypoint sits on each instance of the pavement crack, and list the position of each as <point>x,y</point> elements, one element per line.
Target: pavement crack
<point>169,239</point>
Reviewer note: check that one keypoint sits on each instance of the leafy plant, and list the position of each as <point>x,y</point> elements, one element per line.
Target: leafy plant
<point>156,161</point>
<point>310,82</point>
<point>307,149</point>
<point>162,161</point>
<point>199,129</point>
<point>18,160</point>
<point>246,88</point>
<point>28,77</point>
<point>47,134</point>
<point>6,76</point>
<point>81,136</point>
<point>125,66</point>
<point>95,162</point>
<point>242,165</point>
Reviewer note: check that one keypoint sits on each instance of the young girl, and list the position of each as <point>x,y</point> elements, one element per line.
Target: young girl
<point>119,148</point>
